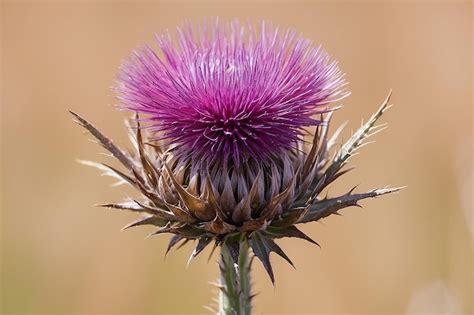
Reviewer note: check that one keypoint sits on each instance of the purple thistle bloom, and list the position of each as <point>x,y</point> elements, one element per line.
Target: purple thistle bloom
<point>233,96</point>
<point>231,92</point>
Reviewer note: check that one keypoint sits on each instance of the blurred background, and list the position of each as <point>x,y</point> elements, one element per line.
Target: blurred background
<point>409,253</point>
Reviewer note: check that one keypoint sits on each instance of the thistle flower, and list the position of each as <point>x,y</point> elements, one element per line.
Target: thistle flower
<point>220,157</point>
<point>232,92</point>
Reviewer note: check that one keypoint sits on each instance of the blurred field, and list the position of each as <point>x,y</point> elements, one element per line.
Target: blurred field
<point>409,253</point>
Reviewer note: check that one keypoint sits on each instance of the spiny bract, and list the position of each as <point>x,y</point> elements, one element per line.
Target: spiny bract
<point>221,155</point>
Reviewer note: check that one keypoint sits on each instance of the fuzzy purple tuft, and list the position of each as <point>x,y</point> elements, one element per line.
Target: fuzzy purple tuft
<point>231,92</point>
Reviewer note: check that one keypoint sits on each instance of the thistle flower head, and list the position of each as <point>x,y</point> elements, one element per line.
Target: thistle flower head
<point>240,96</point>
<point>231,92</point>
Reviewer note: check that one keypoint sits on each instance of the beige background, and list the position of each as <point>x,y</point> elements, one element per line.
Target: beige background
<point>406,253</point>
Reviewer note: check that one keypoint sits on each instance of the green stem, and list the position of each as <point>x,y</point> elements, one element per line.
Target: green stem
<point>235,296</point>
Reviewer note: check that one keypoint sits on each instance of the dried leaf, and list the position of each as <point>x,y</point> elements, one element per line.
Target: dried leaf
<point>104,141</point>
<point>181,214</point>
<point>150,220</point>
<point>163,214</point>
<point>254,225</point>
<point>139,207</point>
<point>290,231</point>
<point>219,227</point>
<point>290,217</point>
<point>243,211</point>
<point>227,200</point>
<point>212,199</point>
<point>187,231</point>
<point>133,182</point>
<point>271,209</point>
<point>175,239</point>
<point>355,142</point>
<point>150,171</point>
<point>202,243</point>
<point>262,247</point>
<point>326,207</point>
<point>166,192</point>
<point>310,158</point>
<point>196,206</point>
